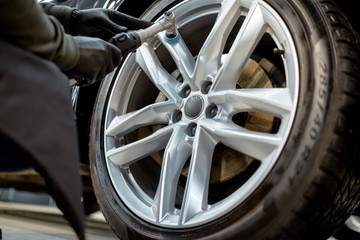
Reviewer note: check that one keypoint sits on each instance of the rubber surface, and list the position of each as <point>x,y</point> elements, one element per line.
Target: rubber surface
<point>314,185</point>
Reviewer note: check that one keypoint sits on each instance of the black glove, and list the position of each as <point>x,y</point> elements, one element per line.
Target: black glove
<point>97,58</point>
<point>103,23</point>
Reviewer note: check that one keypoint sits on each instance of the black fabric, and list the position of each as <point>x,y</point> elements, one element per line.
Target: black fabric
<point>61,13</point>
<point>97,58</point>
<point>13,157</point>
<point>36,114</point>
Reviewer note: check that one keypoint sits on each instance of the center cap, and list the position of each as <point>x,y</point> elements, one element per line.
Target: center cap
<point>194,106</point>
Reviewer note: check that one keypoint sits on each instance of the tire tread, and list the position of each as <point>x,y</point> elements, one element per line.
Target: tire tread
<point>339,165</point>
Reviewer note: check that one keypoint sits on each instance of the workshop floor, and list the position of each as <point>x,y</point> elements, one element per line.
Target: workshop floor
<point>33,222</point>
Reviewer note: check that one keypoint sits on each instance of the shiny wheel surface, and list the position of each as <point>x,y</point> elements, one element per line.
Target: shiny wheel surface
<point>206,115</point>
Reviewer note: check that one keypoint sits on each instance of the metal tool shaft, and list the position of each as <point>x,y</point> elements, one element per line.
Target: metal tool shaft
<point>128,42</point>
<point>166,24</point>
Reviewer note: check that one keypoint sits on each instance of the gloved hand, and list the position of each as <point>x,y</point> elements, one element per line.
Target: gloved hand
<point>97,58</point>
<point>103,23</point>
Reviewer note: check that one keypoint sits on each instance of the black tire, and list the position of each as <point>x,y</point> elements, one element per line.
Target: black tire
<point>314,185</point>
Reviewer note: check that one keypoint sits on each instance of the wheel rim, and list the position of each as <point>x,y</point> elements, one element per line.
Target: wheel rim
<point>197,113</point>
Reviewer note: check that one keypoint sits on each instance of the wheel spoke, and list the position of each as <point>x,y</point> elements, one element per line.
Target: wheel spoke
<point>176,154</point>
<point>158,113</point>
<point>239,115</point>
<point>128,154</point>
<point>247,39</point>
<point>197,186</point>
<point>150,64</point>
<point>209,57</point>
<point>182,56</point>
<point>254,144</point>
<point>276,101</point>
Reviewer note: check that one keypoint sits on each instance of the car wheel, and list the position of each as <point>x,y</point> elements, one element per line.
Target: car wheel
<point>244,128</point>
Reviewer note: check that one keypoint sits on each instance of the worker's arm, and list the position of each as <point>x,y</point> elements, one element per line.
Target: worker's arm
<point>60,12</point>
<point>97,22</point>
<point>24,23</point>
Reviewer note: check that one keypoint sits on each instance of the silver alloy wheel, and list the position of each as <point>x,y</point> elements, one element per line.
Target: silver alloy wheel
<point>193,120</point>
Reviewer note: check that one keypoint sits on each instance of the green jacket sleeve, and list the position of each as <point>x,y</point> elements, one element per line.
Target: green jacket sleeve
<point>24,23</point>
<point>61,13</point>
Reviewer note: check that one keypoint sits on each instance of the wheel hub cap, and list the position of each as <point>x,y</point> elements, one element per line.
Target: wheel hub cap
<point>194,106</point>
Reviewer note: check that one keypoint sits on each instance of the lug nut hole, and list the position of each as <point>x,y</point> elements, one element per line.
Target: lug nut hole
<point>177,116</point>
<point>212,111</point>
<point>191,129</point>
<point>185,92</point>
<point>205,88</point>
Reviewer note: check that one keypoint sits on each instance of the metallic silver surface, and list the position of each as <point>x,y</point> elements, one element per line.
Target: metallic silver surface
<point>167,23</point>
<point>74,96</point>
<point>196,134</point>
<point>353,223</point>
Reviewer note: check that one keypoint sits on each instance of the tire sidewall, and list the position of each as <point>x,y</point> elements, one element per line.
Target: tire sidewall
<point>295,168</point>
